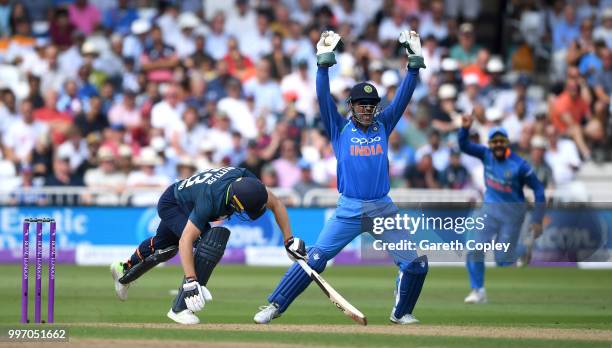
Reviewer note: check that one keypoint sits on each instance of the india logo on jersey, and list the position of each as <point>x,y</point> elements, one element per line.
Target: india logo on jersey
<point>366,146</point>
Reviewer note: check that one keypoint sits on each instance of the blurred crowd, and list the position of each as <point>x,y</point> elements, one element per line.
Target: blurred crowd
<point>121,94</point>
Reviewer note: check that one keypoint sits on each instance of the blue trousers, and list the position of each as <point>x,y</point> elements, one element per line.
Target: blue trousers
<point>344,226</point>
<point>503,231</point>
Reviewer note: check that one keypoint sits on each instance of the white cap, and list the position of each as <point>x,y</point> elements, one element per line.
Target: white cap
<point>495,65</point>
<point>449,64</point>
<point>158,144</point>
<point>188,20</point>
<point>125,151</point>
<point>64,153</point>
<point>105,153</point>
<point>494,114</point>
<point>447,91</point>
<point>140,26</point>
<point>470,79</point>
<point>539,142</point>
<point>390,78</point>
<point>89,48</point>
<point>147,157</point>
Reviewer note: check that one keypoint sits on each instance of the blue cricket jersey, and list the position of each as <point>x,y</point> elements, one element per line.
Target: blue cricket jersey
<point>363,166</point>
<point>505,179</point>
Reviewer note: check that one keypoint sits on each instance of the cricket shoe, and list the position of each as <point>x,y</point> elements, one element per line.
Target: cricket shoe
<point>405,320</point>
<point>266,314</point>
<point>117,271</point>
<point>185,317</point>
<point>476,296</point>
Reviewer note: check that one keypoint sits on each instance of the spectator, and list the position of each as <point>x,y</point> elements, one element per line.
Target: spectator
<point>389,27</point>
<point>8,110</point>
<point>267,92</point>
<point>62,175</point>
<point>22,196</point>
<point>538,163</point>
<point>217,40</point>
<point>185,136</point>
<point>221,134</point>
<point>471,95</point>
<point>185,44</point>
<point>75,147</point>
<point>466,50</point>
<point>445,115</point>
<point>158,60</point>
<point>287,169</point>
<point>280,64</point>
<point>252,161</point>
<point>134,45</point>
<point>562,156</point>
<point>21,136</point>
<point>119,19</point>
<point>269,176</point>
<point>34,93</point>
<point>569,111</point>
<point>69,101</point>
<point>422,174</point>
<point>124,162</point>
<point>417,130</point>
<point>306,183</point>
<point>242,119</point>
<point>602,87</point>
<point>61,29</point>
<point>105,176</point>
<point>566,30</point>
<point>468,9</point>
<point>455,176</point>
<point>5,18</point>
<point>125,112</point>
<point>604,30</point>
<point>301,83</point>
<point>145,177</point>
<point>257,43</point>
<point>58,121</point>
<point>168,112</point>
<point>400,157</point>
<point>185,168</point>
<point>434,148</point>
<point>242,20</point>
<point>238,65</point>
<point>433,23</point>
<point>84,16</point>
<point>432,54</point>
<point>479,68</point>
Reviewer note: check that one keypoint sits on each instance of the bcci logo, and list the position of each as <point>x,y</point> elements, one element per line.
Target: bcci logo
<point>367,89</point>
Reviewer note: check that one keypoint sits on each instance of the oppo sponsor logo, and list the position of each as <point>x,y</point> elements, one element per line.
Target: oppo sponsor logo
<point>365,141</point>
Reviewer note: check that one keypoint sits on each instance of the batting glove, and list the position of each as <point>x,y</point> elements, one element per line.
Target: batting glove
<point>296,249</point>
<point>412,43</point>
<point>325,48</point>
<point>195,295</point>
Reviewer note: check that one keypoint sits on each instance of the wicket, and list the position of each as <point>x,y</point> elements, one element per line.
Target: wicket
<point>39,264</point>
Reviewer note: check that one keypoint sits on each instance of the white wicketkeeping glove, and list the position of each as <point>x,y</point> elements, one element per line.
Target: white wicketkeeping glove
<point>328,42</point>
<point>195,295</point>
<point>412,43</point>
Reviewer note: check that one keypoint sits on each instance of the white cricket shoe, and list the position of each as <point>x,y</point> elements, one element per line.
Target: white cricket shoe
<point>405,320</point>
<point>266,314</point>
<point>476,296</point>
<point>185,317</point>
<point>116,269</point>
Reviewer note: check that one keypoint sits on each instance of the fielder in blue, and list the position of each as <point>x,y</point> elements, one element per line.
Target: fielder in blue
<point>504,206</point>
<point>360,144</point>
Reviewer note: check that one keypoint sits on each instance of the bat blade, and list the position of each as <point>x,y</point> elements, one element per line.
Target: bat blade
<point>340,302</point>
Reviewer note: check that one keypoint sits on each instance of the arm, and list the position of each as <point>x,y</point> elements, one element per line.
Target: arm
<point>538,191</point>
<point>392,114</point>
<point>469,147</point>
<point>332,120</point>
<point>280,215</point>
<point>190,234</point>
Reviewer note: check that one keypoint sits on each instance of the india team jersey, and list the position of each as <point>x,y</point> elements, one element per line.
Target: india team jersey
<point>363,166</point>
<point>203,195</point>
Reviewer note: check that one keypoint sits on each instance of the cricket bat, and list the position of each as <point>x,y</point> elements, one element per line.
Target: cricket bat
<point>340,302</point>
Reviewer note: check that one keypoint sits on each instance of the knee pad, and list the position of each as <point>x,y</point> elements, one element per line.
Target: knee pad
<point>317,259</point>
<point>209,251</point>
<point>420,265</point>
<point>158,256</point>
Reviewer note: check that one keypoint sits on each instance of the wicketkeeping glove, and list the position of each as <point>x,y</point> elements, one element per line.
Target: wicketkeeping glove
<point>412,43</point>
<point>296,249</point>
<point>325,48</point>
<point>195,295</point>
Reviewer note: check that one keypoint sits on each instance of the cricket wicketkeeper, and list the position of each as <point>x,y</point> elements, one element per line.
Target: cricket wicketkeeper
<point>360,142</point>
<point>186,209</point>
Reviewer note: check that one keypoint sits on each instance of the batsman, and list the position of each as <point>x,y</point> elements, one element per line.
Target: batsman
<point>360,142</point>
<point>186,209</point>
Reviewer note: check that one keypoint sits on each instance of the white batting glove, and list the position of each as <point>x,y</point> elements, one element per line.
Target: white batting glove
<point>195,295</point>
<point>411,41</point>
<point>328,42</point>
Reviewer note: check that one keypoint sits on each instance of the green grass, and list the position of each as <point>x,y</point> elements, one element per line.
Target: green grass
<point>532,297</point>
